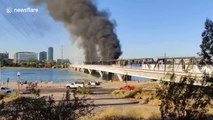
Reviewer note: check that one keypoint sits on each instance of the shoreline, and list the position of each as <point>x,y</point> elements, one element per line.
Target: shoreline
<point>104,84</point>
<point>30,68</point>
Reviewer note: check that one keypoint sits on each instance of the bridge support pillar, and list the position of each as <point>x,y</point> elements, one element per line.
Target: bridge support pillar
<point>127,78</point>
<point>82,69</point>
<point>120,77</point>
<point>101,74</point>
<point>109,76</point>
<point>90,71</point>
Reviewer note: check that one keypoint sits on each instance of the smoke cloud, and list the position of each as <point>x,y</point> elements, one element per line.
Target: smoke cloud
<point>92,29</point>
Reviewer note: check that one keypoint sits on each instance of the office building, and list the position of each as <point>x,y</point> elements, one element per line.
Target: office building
<point>50,54</point>
<point>4,56</point>
<point>63,61</point>
<point>43,56</point>
<point>25,57</point>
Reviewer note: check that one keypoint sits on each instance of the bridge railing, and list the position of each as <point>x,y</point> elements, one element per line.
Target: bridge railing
<point>175,64</point>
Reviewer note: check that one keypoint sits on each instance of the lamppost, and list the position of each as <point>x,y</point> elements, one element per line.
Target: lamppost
<point>18,81</point>
<point>18,75</point>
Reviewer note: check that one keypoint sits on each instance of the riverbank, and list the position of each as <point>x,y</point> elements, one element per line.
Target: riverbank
<point>30,68</point>
<point>104,84</point>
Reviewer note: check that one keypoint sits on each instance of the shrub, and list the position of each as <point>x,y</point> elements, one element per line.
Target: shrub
<point>25,108</point>
<point>184,100</point>
<point>119,93</point>
<point>146,101</point>
<point>117,114</point>
<point>128,114</point>
<point>116,92</point>
<point>1,95</point>
<point>84,90</point>
<point>32,87</point>
<point>127,93</point>
<point>139,96</point>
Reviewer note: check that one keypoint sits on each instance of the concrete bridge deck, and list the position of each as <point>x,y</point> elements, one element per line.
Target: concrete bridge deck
<point>159,74</point>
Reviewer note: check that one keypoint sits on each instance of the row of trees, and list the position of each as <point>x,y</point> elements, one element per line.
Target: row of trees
<point>36,64</point>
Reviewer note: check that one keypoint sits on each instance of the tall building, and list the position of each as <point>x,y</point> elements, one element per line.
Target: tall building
<point>50,54</point>
<point>4,56</point>
<point>25,57</point>
<point>43,56</point>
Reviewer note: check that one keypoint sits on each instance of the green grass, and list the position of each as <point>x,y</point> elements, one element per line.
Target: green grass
<point>12,96</point>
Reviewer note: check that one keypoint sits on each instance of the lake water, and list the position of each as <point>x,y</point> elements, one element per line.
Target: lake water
<point>42,75</point>
<point>56,76</point>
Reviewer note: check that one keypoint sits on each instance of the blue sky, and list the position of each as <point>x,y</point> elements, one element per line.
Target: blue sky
<point>146,28</point>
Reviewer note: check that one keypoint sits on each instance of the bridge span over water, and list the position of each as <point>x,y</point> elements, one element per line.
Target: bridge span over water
<point>165,69</point>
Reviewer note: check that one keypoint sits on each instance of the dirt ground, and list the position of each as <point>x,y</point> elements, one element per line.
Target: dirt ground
<point>101,94</point>
<point>101,97</point>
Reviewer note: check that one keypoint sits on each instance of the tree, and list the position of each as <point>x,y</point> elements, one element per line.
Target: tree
<point>185,101</point>
<point>41,108</point>
<point>207,43</point>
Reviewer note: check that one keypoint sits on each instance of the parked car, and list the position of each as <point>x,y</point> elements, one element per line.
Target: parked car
<point>127,88</point>
<point>6,90</point>
<point>75,84</point>
<point>94,83</point>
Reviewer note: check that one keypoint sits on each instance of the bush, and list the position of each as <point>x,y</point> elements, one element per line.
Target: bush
<point>32,87</point>
<point>146,101</point>
<point>128,114</point>
<point>25,108</point>
<point>127,93</point>
<point>117,114</point>
<point>184,100</point>
<point>1,95</point>
<point>84,90</point>
<point>118,93</point>
<point>139,96</point>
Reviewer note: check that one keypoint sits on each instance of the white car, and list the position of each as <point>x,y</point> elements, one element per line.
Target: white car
<point>93,83</point>
<point>75,85</point>
<point>6,90</point>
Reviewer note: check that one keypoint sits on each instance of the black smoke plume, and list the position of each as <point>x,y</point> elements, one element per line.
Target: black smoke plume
<point>92,29</point>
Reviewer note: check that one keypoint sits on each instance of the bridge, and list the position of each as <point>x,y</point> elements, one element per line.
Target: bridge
<point>165,69</point>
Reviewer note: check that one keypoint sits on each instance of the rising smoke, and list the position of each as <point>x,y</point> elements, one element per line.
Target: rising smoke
<point>91,28</point>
